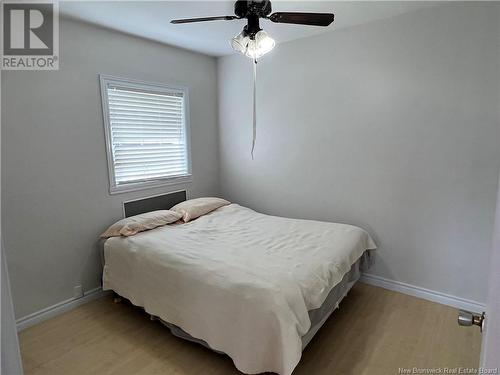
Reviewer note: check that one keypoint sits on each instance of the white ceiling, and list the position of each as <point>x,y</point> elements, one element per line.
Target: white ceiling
<point>151,19</point>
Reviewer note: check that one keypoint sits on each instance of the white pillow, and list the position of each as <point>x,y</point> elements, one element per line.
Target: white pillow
<point>193,208</point>
<point>138,223</point>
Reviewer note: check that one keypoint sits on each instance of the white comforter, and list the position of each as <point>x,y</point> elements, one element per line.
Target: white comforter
<point>240,280</point>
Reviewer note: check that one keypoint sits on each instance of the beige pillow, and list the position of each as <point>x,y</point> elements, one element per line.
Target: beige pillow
<point>138,223</point>
<point>193,208</point>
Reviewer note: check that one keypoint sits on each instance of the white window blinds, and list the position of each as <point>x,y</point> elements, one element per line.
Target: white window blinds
<point>147,133</point>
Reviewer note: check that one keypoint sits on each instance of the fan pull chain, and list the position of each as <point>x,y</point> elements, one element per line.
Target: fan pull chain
<point>254,104</point>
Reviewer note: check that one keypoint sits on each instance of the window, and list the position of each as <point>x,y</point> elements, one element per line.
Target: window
<point>147,134</point>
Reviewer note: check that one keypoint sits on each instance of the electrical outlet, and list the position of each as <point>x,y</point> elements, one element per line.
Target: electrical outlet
<point>78,291</point>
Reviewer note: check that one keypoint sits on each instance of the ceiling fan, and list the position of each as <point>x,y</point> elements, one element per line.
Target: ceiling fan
<point>253,41</point>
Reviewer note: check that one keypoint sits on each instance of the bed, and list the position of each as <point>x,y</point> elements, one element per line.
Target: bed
<point>253,286</point>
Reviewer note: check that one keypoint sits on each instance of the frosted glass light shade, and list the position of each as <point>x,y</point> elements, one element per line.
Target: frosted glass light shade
<point>240,42</point>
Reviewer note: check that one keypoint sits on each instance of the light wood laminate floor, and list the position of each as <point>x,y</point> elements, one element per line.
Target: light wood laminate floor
<point>375,331</point>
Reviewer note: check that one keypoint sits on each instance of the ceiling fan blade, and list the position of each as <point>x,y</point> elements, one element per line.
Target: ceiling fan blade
<point>203,19</point>
<point>313,19</point>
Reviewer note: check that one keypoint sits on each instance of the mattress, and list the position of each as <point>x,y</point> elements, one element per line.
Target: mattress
<point>243,282</point>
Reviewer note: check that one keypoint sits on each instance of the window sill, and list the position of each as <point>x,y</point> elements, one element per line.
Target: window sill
<point>125,188</point>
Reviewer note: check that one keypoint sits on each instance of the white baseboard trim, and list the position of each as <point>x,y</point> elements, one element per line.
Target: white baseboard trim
<point>58,308</point>
<point>397,286</point>
<point>427,294</point>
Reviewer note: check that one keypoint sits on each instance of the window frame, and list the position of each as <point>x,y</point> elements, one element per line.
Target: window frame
<point>115,188</point>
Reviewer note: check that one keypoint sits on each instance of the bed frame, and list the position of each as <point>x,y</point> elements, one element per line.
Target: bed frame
<point>153,203</point>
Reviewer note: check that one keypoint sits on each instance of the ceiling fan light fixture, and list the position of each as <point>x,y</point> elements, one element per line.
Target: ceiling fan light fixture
<point>263,44</point>
<point>240,42</point>
<point>255,47</point>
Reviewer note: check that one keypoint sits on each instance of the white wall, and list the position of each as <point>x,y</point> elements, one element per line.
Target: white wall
<point>54,171</point>
<point>491,332</point>
<point>10,357</point>
<point>391,125</point>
